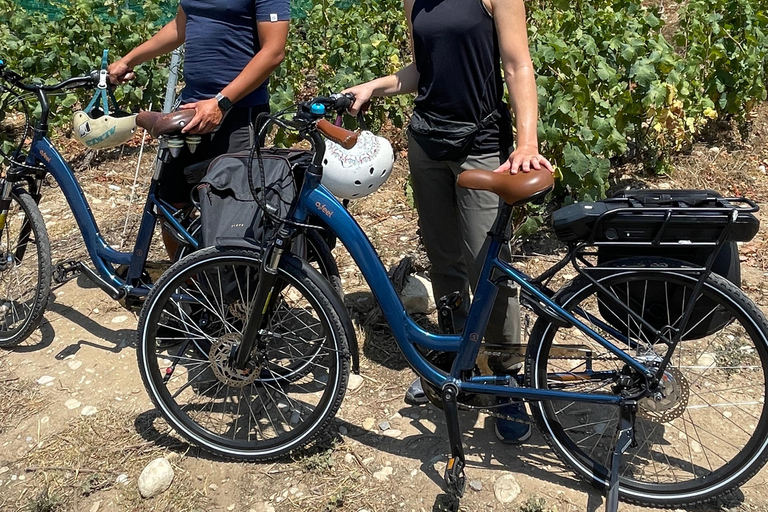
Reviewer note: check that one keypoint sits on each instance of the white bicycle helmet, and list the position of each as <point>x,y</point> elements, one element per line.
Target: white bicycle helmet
<point>99,127</point>
<point>357,172</point>
<point>105,131</point>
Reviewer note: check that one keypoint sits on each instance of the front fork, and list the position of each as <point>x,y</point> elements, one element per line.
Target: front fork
<point>262,300</point>
<point>26,228</point>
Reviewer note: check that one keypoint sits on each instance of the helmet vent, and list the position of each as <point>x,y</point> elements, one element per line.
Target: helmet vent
<point>358,183</point>
<point>371,171</point>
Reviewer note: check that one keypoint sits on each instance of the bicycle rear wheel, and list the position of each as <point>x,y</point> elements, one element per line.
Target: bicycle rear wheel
<point>25,270</point>
<point>192,321</point>
<point>709,432</point>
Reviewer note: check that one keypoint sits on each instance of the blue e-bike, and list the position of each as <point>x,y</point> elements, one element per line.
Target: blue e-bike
<point>245,350</point>
<point>26,268</point>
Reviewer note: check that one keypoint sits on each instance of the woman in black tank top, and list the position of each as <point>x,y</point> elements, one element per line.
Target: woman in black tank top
<point>460,122</point>
<point>459,49</point>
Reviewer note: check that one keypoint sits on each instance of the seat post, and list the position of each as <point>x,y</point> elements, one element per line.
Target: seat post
<point>499,229</point>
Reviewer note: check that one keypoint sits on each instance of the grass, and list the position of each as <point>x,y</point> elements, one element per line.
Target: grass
<point>86,456</point>
<point>45,502</point>
<point>19,398</point>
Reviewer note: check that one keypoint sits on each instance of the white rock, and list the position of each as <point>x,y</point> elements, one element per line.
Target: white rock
<point>393,433</point>
<point>417,294</point>
<point>45,379</point>
<point>383,474</point>
<point>761,168</point>
<point>714,149</point>
<point>369,423</point>
<point>384,425</point>
<point>706,359</point>
<point>695,446</point>
<point>72,404</point>
<point>355,381</point>
<point>119,319</point>
<point>89,410</point>
<point>122,479</point>
<point>476,485</point>
<point>74,365</point>
<point>155,478</point>
<point>349,458</point>
<point>506,489</point>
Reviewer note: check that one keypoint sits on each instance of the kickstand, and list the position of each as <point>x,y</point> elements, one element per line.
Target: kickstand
<point>454,471</point>
<point>625,438</point>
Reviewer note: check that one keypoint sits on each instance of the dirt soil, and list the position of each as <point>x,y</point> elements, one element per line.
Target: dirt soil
<point>77,428</point>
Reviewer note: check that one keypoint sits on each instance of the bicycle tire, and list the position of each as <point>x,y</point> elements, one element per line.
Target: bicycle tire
<point>32,227</point>
<point>670,442</point>
<point>318,253</point>
<point>306,305</point>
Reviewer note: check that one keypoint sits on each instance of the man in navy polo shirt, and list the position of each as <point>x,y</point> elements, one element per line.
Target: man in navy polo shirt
<point>231,48</point>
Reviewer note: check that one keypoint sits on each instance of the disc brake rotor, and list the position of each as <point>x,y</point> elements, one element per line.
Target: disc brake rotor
<point>219,357</point>
<point>670,401</point>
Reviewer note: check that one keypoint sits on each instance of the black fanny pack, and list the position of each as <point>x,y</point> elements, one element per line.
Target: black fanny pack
<point>447,140</point>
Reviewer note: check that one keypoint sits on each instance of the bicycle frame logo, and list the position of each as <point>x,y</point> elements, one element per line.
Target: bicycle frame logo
<point>324,209</point>
<point>45,156</point>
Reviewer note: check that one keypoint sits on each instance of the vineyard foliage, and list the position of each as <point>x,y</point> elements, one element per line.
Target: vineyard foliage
<point>610,85</point>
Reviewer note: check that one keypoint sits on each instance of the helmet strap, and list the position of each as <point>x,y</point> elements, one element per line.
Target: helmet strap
<point>103,92</point>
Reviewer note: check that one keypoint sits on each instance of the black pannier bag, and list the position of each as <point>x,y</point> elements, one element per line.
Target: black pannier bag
<point>227,206</point>
<point>657,303</point>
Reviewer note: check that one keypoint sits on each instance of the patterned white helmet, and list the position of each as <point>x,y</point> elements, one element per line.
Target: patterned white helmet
<point>357,172</point>
<point>105,131</point>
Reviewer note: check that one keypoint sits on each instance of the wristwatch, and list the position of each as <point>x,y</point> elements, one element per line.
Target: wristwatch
<point>224,104</point>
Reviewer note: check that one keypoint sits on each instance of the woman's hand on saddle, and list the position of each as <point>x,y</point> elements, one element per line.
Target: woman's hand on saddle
<point>120,72</point>
<point>525,158</point>
<point>208,116</point>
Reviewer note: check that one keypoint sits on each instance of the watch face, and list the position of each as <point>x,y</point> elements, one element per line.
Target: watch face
<point>224,102</point>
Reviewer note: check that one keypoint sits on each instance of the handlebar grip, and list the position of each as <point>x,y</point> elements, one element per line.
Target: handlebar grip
<point>343,137</point>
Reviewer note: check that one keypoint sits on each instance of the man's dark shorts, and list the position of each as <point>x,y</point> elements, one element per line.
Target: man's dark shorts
<point>233,135</point>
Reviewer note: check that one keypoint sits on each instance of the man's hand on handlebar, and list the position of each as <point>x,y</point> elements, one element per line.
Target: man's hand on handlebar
<point>120,72</point>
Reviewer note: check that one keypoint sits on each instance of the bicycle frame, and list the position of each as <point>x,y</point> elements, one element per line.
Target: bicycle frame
<point>316,199</point>
<point>43,153</point>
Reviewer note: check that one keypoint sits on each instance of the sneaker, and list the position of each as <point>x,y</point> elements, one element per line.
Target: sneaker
<point>509,431</point>
<point>415,394</point>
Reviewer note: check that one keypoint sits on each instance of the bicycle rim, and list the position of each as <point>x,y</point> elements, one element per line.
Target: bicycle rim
<point>26,270</point>
<point>299,374</point>
<point>706,435</point>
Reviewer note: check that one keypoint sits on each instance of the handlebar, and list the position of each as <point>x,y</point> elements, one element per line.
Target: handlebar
<point>81,81</point>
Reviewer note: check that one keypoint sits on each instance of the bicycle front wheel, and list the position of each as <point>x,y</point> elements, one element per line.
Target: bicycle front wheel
<point>708,431</point>
<point>25,270</point>
<point>193,320</point>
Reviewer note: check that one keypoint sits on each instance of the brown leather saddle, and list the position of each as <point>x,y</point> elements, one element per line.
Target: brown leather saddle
<point>160,123</point>
<point>513,189</point>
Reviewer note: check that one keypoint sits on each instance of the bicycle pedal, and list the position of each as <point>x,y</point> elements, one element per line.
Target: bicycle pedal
<point>455,479</point>
<point>66,270</point>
